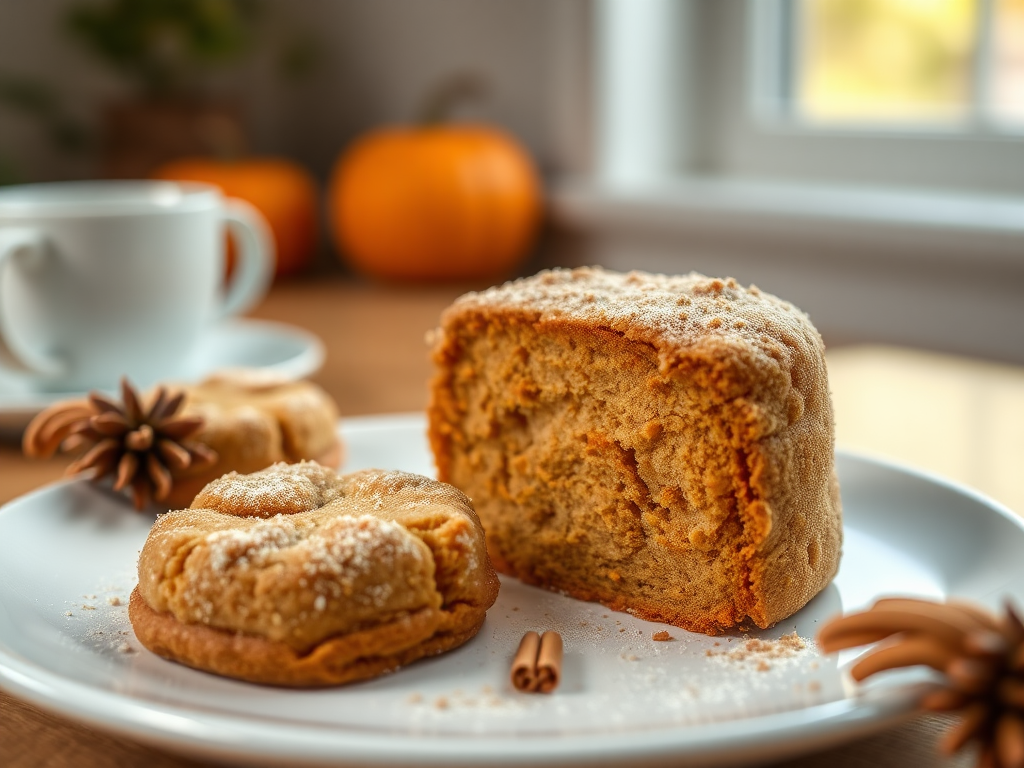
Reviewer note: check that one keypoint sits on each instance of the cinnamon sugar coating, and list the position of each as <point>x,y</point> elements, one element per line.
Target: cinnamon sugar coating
<point>663,445</point>
<point>297,576</point>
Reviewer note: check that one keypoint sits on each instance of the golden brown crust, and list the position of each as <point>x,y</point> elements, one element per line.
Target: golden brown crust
<point>296,576</point>
<point>663,445</point>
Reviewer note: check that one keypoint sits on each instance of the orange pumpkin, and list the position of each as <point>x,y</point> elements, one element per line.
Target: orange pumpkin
<point>435,202</point>
<point>281,190</point>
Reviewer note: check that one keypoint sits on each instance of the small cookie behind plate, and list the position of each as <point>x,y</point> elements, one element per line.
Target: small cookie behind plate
<point>253,419</point>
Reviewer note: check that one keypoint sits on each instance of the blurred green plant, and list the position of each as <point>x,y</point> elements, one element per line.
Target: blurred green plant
<point>166,46</point>
<point>300,57</point>
<point>39,103</point>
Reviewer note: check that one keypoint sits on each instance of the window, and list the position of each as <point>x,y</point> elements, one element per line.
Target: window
<point>916,93</point>
<point>762,90</point>
<point>877,64</point>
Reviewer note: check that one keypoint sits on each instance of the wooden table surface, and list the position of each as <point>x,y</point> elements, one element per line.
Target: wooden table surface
<point>960,418</point>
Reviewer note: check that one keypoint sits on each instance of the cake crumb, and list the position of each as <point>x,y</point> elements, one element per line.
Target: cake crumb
<point>441,703</point>
<point>415,698</point>
<point>88,607</point>
<point>759,651</point>
<point>115,600</point>
<point>814,686</point>
<point>68,613</point>
<point>125,648</point>
<point>792,641</point>
<point>661,636</point>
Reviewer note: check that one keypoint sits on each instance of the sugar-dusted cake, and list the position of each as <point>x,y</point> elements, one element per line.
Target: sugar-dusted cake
<point>296,576</point>
<point>662,445</point>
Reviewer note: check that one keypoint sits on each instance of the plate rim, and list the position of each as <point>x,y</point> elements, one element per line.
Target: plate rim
<point>217,736</point>
<point>183,730</point>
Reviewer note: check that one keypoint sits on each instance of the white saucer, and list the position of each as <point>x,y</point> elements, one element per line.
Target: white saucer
<point>285,349</point>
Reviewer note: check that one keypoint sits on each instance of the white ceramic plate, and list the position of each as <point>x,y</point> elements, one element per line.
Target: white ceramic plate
<point>237,343</point>
<point>67,558</point>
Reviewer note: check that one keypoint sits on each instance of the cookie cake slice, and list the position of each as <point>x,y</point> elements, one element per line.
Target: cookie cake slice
<point>662,445</point>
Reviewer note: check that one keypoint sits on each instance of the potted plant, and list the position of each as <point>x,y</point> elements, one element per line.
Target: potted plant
<point>166,49</point>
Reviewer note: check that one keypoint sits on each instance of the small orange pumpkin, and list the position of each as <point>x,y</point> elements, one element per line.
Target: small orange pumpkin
<point>439,202</point>
<point>284,192</point>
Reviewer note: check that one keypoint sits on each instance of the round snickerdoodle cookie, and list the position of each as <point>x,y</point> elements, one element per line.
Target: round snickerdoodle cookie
<point>296,576</point>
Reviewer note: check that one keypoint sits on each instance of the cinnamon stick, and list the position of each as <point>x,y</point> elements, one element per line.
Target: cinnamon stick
<point>537,665</point>
<point>549,662</point>
<point>524,664</point>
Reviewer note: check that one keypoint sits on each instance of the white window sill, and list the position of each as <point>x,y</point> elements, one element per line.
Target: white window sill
<point>973,230</point>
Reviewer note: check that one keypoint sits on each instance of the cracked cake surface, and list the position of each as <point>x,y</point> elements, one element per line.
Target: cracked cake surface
<point>661,444</point>
<point>298,576</point>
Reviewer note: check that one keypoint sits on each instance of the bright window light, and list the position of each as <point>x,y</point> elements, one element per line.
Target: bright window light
<point>877,62</point>
<point>1008,62</point>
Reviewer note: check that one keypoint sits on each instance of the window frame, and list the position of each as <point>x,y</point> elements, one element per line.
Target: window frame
<point>772,81</point>
<point>709,118</point>
<point>756,134</point>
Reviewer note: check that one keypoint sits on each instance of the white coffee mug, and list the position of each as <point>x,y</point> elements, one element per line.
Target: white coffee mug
<point>100,279</point>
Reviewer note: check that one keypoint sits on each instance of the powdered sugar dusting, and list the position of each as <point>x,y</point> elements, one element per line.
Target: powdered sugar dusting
<point>661,309</point>
<point>333,556</point>
<point>348,548</point>
<point>252,547</point>
<point>279,489</point>
<point>401,491</point>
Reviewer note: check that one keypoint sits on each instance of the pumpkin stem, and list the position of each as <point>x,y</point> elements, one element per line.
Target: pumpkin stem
<point>441,100</point>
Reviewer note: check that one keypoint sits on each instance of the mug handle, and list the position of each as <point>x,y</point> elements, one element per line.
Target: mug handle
<point>254,269</point>
<point>24,249</point>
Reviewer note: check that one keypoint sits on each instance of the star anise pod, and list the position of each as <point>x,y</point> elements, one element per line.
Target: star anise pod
<point>980,654</point>
<point>141,447</point>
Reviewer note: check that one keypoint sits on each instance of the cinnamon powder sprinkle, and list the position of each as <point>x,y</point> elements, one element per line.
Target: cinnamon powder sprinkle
<point>760,652</point>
